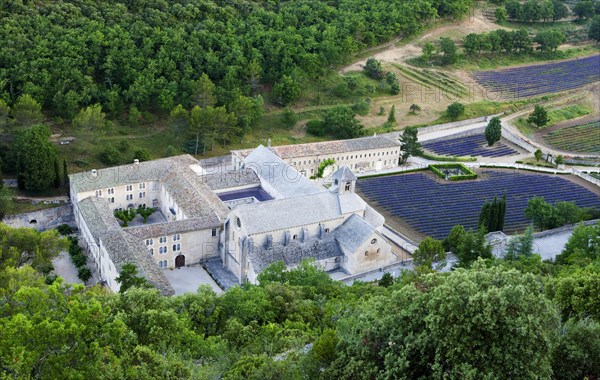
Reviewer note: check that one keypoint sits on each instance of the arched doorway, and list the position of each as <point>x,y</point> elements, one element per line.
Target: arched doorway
<point>180,261</point>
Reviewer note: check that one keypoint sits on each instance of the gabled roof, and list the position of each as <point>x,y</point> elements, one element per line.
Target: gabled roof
<point>279,214</point>
<point>327,148</point>
<point>353,233</point>
<point>277,176</point>
<point>121,247</point>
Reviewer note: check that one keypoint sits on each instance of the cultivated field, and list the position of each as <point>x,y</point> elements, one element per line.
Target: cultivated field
<point>431,206</point>
<point>540,79</point>
<point>474,145</point>
<point>583,138</point>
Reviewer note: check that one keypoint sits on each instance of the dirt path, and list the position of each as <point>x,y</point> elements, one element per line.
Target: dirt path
<point>476,23</point>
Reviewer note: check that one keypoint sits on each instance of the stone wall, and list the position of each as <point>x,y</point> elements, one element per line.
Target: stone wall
<point>44,219</point>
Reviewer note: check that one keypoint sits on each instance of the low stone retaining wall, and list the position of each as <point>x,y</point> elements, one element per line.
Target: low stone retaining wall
<point>43,219</point>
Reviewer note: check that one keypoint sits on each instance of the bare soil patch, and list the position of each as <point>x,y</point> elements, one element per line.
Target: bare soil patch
<point>475,23</point>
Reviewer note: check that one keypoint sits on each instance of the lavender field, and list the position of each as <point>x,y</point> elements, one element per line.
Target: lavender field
<point>541,79</point>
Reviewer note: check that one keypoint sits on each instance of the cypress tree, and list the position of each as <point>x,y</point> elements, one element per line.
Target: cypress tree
<point>56,174</point>
<point>65,173</point>
<point>484,215</point>
<point>502,214</point>
<point>493,218</point>
<point>1,179</point>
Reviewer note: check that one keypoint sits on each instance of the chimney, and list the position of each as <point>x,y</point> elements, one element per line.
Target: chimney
<point>268,143</point>
<point>94,173</point>
<point>136,161</point>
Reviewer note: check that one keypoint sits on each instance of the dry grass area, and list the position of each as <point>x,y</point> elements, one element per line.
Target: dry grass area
<point>475,23</point>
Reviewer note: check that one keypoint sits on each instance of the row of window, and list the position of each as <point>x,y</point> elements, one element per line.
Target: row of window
<point>164,249</point>
<point>351,157</point>
<point>141,186</point>
<point>163,239</point>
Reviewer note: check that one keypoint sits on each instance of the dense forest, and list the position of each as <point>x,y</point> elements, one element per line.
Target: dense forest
<point>510,318</point>
<point>149,54</point>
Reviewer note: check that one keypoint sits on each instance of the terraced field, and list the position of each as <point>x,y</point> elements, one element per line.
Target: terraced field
<point>434,80</point>
<point>541,79</point>
<point>475,145</point>
<point>432,207</point>
<point>583,138</point>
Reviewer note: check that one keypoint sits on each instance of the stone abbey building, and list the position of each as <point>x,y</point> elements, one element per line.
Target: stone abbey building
<point>252,211</point>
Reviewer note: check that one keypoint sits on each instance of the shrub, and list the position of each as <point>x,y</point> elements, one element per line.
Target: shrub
<point>110,156</point>
<point>455,110</point>
<point>84,274</point>
<point>79,259</point>
<point>64,229</point>
<point>315,127</point>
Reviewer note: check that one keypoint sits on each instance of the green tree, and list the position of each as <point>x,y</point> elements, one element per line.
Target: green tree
<point>472,43</point>
<point>110,155</point>
<point>428,51</point>
<point>577,351</point>
<point>373,68</point>
<point>584,9</point>
<point>429,251</point>
<point>448,50</point>
<point>493,131</point>
<point>538,154</point>
<point>560,10</point>
<point>125,216</point>
<point>549,40</point>
<point>583,246</point>
<point>559,160</point>
<point>34,156</point>
<point>414,108</point>
<point>65,173</point>
<point>409,143</point>
<point>340,122</point>
<point>27,111</point>
<point>386,280</point>
<point>179,122</point>
<point>57,180</point>
<point>142,155</point>
<point>128,278</point>
<point>248,111</point>
<point>454,238</point>
<point>594,31</point>
<point>473,246</point>
<point>520,246</point>
<point>501,15</point>
<point>539,116</point>
<point>392,116</point>
<point>145,212</point>
<point>289,117</point>
<point>286,91</point>
<point>91,118</point>
<point>539,212</point>
<point>6,202</point>
<point>455,110</point>
<point>5,120</point>
<point>455,326</point>
<point>203,92</point>
<point>27,246</point>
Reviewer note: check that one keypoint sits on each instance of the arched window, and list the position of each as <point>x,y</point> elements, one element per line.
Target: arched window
<point>373,241</point>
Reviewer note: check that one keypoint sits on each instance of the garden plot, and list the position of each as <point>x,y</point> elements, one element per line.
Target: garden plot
<point>474,145</point>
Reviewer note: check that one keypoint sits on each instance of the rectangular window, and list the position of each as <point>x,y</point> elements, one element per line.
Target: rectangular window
<point>176,237</point>
<point>162,239</point>
<point>163,264</point>
<point>98,193</point>
<point>176,247</point>
<point>151,250</point>
<point>129,197</point>
<point>155,203</point>
<point>162,250</point>
<point>142,194</point>
<point>149,241</point>
<point>111,191</point>
<point>214,232</point>
<point>142,185</point>
<point>129,187</point>
<point>112,199</point>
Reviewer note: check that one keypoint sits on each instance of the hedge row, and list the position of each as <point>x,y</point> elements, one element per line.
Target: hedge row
<point>447,158</point>
<point>470,173</point>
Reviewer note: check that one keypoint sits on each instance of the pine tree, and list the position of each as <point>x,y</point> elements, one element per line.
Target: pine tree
<point>1,178</point>
<point>492,224</point>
